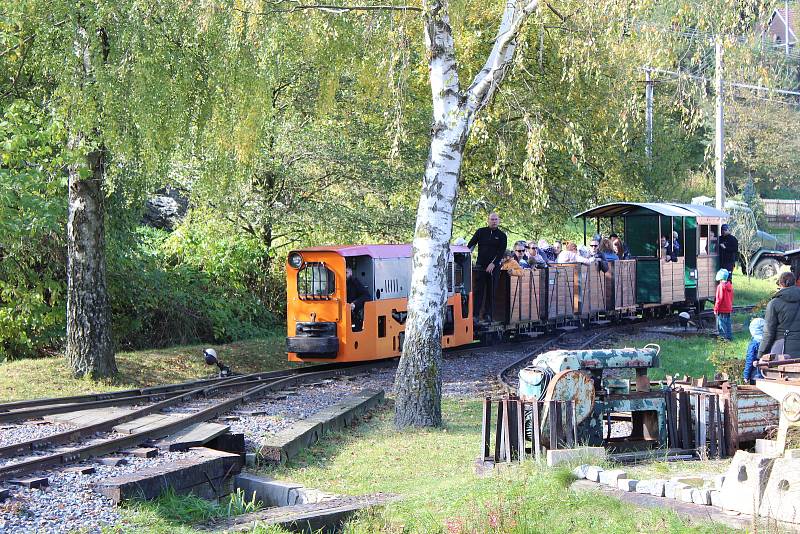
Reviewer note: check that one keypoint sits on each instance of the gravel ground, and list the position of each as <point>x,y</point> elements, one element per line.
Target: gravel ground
<point>69,504</point>
<point>29,430</point>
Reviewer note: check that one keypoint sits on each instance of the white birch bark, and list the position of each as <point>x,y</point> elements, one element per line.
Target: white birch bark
<point>418,382</point>
<point>89,349</point>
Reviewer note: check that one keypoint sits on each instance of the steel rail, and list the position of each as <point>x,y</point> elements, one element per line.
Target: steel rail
<point>108,446</point>
<point>19,410</point>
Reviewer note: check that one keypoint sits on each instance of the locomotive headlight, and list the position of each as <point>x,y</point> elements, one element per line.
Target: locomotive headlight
<point>295,260</point>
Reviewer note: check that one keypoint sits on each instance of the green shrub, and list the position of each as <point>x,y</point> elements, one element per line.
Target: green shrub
<point>157,300</point>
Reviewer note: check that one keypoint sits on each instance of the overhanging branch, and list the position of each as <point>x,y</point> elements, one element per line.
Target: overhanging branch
<point>328,8</point>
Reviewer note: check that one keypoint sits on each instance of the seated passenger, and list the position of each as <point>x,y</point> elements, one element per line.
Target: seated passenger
<point>666,250</point>
<point>520,247</point>
<point>620,249</point>
<point>535,259</point>
<point>586,253</point>
<point>557,247</point>
<point>357,295</point>
<point>676,246</point>
<point>570,255</point>
<point>547,251</point>
<point>606,251</point>
<point>510,264</point>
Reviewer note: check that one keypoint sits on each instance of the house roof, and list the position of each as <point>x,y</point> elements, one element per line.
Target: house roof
<point>619,209</point>
<point>403,250</point>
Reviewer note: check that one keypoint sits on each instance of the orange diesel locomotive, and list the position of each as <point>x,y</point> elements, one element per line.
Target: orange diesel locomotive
<point>320,323</point>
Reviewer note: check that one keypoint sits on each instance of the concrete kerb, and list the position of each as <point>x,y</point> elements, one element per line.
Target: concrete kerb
<point>287,444</point>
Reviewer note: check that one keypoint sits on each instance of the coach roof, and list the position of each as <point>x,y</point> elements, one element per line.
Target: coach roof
<point>621,209</point>
<point>375,251</point>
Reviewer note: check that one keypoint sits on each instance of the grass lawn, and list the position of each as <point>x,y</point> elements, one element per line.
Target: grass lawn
<point>50,377</point>
<point>433,471</point>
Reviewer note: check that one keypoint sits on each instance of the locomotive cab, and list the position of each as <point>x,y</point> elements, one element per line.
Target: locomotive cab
<point>321,326</point>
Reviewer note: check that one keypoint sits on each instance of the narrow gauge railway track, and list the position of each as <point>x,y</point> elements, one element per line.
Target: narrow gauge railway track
<point>21,410</point>
<point>255,388</point>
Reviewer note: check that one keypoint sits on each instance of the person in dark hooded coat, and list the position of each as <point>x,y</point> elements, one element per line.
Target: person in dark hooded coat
<point>783,320</point>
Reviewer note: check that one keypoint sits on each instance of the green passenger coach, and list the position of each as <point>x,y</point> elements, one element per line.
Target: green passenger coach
<point>660,284</point>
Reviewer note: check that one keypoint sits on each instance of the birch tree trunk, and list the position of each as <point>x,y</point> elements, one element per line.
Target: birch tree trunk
<point>90,349</point>
<point>418,382</point>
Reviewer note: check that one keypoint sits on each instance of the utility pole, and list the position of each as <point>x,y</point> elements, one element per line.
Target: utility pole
<point>786,26</point>
<point>719,145</point>
<point>649,116</point>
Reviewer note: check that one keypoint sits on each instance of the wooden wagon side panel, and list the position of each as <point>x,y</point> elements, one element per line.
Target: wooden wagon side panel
<point>672,281</point>
<point>706,271</point>
<point>560,291</point>
<point>525,296</point>
<point>620,285</point>
<point>590,294</point>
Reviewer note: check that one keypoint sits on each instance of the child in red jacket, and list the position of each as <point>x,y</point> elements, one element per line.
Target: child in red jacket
<point>723,304</point>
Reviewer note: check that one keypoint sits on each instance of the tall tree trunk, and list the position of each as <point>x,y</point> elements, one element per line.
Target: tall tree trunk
<point>90,349</point>
<point>418,382</point>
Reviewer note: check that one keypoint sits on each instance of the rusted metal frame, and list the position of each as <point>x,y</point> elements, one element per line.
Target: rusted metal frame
<point>685,420</point>
<point>506,438</point>
<point>498,440</point>
<point>555,423</point>
<point>713,449</point>
<point>568,435</point>
<point>112,445</point>
<point>536,431</point>
<point>521,446</point>
<point>485,428</point>
<point>672,427</point>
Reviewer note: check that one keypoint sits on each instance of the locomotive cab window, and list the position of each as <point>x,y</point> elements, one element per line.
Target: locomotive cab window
<point>315,282</point>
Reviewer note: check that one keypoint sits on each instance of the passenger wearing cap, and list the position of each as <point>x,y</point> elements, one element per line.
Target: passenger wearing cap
<point>723,305</point>
<point>728,250</point>
<point>751,372</point>
<point>535,259</point>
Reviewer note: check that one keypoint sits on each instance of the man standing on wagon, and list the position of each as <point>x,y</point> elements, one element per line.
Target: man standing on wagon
<point>728,250</point>
<point>491,242</point>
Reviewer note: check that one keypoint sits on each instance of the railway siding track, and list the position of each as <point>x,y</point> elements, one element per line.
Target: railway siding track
<point>275,382</point>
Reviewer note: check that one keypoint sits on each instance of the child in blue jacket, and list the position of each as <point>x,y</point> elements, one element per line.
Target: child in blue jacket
<point>757,332</point>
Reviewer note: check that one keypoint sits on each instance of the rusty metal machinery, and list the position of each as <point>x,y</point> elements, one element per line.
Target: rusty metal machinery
<point>601,401</point>
<point>782,382</point>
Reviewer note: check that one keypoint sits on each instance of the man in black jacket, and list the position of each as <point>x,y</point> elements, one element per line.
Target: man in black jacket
<point>357,295</point>
<point>492,244</point>
<point>783,320</point>
<point>728,250</point>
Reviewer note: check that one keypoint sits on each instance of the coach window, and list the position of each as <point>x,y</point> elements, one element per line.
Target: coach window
<point>315,282</point>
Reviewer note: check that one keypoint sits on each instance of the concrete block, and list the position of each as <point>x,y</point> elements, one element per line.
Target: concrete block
<point>657,488</point>
<point>695,482</point>
<point>33,483</point>
<point>765,446</point>
<point>792,454</point>
<point>113,461</point>
<point>715,497</point>
<point>559,456</point>
<point>580,471</point>
<point>308,496</point>
<point>781,497</point>
<point>685,495</point>
<point>81,470</point>
<point>268,491</point>
<point>610,477</point>
<point>644,486</point>
<point>593,473</point>
<point>627,484</point>
<point>673,488</point>
<point>701,496</point>
<point>745,481</point>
